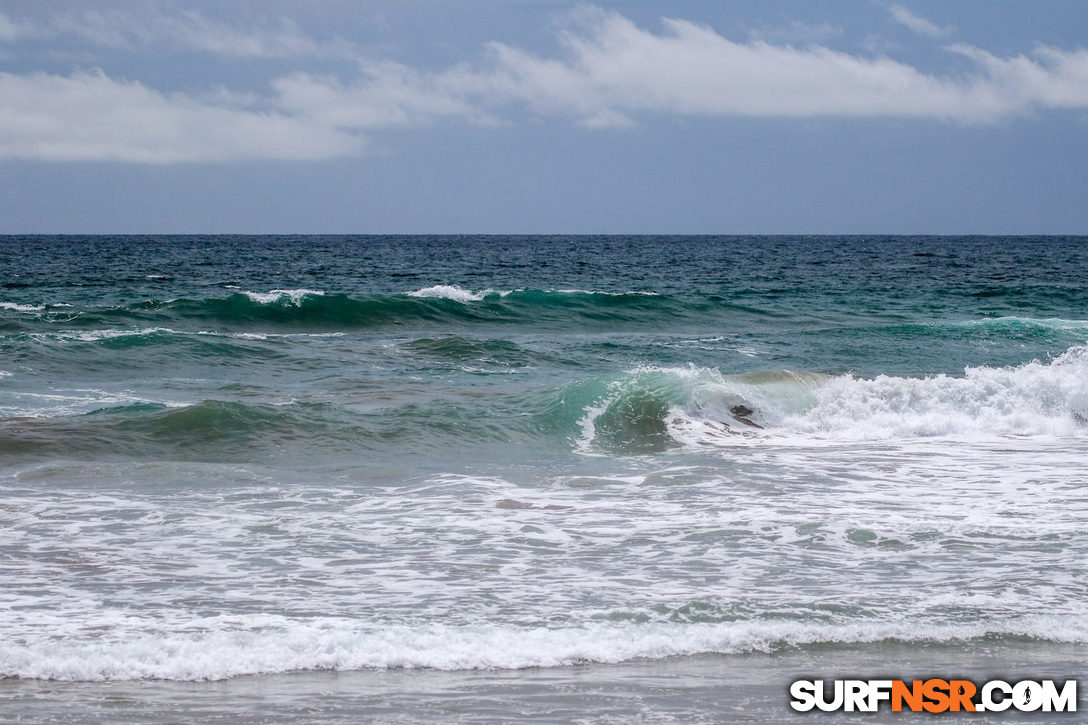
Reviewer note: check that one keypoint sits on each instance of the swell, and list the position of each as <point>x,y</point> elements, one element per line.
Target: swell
<point>413,422</point>
<point>90,352</point>
<point>95,351</point>
<point>312,309</point>
<point>452,306</point>
<point>643,410</point>
<point>986,329</point>
<point>463,350</point>
<point>227,431</point>
<point>209,430</point>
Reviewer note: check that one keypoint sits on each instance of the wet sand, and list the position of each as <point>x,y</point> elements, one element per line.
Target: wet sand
<point>701,689</point>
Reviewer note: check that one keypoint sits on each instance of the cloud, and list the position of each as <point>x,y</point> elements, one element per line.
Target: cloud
<point>11,30</point>
<point>284,41</point>
<point>1057,79</point>
<point>797,32</point>
<point>91,117</point>
<point>387,95</point>
<point>618,68</point>
<point>190,30</point>
<point>917,23</point>
<point>609,73</point>
<point>614,69</point>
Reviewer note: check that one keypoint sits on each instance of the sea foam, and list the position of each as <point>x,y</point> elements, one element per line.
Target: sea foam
<point>651,408</point>
<point>459,294</point>
<point>449,292</point>
<point>15,307</point>
<point>216,649</point>
<point>294,296</point>
<point>1036,398</point>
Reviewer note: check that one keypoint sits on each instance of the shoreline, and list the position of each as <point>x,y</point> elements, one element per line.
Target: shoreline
<point>699,688</point>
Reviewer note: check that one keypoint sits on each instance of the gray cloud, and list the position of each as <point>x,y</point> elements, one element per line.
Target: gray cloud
<point>180,29</point>
<point>609,73</point>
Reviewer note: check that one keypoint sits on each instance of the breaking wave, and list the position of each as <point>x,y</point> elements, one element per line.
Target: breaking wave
<point>305,308</point>
<point>222,647</point>
<point>645,410</point>
<point>653,409</point>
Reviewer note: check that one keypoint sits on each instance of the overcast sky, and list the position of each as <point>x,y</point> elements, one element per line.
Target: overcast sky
<point>543,116</point>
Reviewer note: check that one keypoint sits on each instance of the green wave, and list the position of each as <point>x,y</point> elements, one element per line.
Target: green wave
<point>622,413</point>
<point>342,311</point>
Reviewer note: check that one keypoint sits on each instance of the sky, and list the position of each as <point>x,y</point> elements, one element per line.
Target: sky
<point>544,117</point>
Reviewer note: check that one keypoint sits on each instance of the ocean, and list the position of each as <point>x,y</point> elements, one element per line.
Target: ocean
<point>534,478</point>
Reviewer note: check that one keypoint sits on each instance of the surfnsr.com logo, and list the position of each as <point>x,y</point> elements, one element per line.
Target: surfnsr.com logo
<point>934,695</point>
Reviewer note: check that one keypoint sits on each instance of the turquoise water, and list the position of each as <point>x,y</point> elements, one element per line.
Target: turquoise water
<point>223,456</point>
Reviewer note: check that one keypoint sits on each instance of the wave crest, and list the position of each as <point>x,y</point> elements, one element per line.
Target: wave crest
<point>221,648</point>
<point>1032,399</point>
<point>291,296</point>
<point>654,409</point>
<point>309,308</point>
<point>450,292</point>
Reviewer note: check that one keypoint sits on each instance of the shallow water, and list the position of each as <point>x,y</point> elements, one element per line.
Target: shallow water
<point>699,689</point>
<point>230,456</point>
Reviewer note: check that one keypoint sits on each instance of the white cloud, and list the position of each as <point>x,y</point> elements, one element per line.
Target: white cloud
<point>1057,79</point>
<point>91,117</point>
<point>917,23</point>
<point>614,69</point>
<point>610,73</point>
<point>388,95</point>
<point>689,69</point>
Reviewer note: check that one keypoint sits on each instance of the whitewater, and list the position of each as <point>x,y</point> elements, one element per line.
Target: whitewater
<point>638,478</point>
